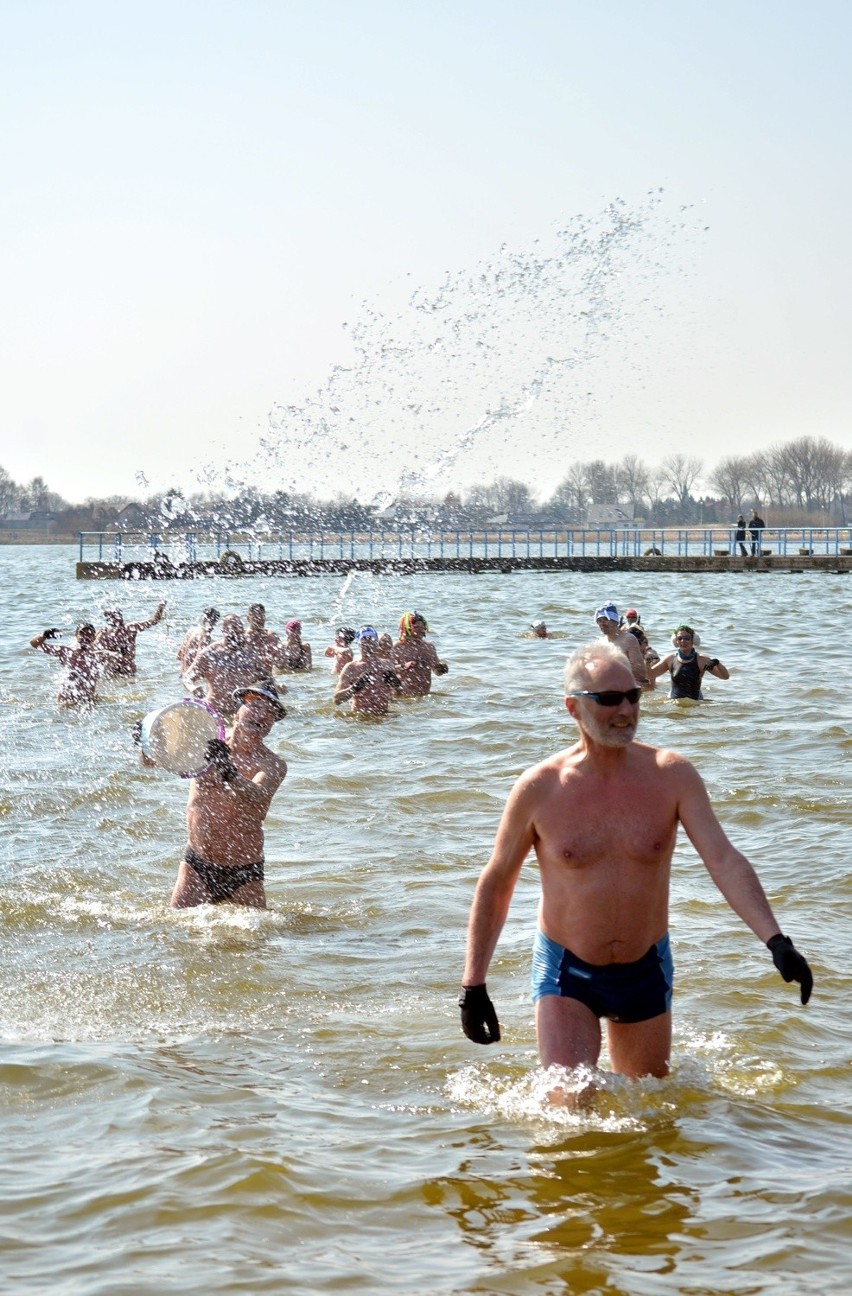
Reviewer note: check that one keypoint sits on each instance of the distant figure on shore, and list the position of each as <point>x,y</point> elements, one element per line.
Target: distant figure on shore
<point>755,525</point>
<point>227,805</point>
<point>369,684</point>
<point>116,641</point>
<point>602,818</point>
<point>296,655</point>
<point>740,535</point>
<point>78,686</point>
<point>340,651</point>
<point>687,666</point>
<point>415,659</point>
<point>264,644</point>
<point>197,639</point>
<point>226,666</point>
<point>608,622</point>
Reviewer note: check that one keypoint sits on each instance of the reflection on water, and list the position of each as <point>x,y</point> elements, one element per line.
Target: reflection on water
<point>230,1101</point>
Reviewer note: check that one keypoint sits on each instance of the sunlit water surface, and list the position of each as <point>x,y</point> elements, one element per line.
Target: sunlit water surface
<point>222,1100</point>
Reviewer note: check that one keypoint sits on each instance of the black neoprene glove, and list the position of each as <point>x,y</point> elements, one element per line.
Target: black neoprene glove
<point>219,755</point>
<point>49,634</point>
<point>791,964</point>
<point>478,1018</point>
<point>136,732</point>
<point>391,677</point>
<point>360,683</point>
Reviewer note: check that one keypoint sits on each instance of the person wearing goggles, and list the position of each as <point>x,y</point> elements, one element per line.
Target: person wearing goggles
<point>602,817</point>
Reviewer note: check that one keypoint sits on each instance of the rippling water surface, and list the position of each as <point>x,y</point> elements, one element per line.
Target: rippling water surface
<point>223,1100</point>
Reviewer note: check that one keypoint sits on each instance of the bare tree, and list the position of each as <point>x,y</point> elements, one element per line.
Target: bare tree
<point>572,493</point>
<point>681,473</point>
<point>601,481</point>
<point>632,481</point>
<point>730,479</point>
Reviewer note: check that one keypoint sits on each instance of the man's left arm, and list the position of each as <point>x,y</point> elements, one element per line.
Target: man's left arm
<point>735,877</point>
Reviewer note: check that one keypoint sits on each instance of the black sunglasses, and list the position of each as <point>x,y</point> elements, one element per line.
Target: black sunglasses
<point>610,697</point>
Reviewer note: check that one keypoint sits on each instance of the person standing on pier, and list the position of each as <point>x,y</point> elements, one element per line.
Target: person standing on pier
<point>755,525</point>
<point>740,535</point>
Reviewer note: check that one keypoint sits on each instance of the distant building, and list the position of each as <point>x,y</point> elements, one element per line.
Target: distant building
<point>607,515</point>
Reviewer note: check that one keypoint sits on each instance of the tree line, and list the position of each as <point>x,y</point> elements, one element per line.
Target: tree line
<point>803,481</point>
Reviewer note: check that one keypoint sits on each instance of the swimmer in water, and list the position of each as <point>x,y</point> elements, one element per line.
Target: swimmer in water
<point>227,665</point>
<point>369,684</point>
<point>687,666</point>
<point>82,664</point>
<point>227,805</point>
<point>197,639</point>
<point>415,659</point>
<point>609,623</point>
<point>263,644</point>
<point>602,818</point>
<point>116,642</point>
<point>539,630</point>
<point>297,654</point>
<point>340,651</point>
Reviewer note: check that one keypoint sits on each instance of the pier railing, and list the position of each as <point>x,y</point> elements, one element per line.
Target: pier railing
<point>416,543</point>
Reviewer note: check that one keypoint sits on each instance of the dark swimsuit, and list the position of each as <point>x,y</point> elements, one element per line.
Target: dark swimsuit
<point>686,677</point>
<point>223,882</point>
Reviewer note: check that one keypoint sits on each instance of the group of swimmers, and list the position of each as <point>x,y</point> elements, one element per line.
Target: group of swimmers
<point>105,653</point>
<point>685,665</point>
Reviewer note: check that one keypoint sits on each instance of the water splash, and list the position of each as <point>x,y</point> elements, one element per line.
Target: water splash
<point>507,358</point>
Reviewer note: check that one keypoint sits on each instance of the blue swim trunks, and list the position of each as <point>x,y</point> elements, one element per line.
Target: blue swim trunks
<point>622,992</point>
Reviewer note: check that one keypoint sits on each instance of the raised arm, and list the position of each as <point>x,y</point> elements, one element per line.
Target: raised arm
<point>152,621</point>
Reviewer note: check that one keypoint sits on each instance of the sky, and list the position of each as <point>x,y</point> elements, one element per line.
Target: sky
<point>349,248</point>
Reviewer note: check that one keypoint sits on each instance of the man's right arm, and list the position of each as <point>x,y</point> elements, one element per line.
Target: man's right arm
<point>346,680</point>
<point>496,885</point>
<point>659,668</point>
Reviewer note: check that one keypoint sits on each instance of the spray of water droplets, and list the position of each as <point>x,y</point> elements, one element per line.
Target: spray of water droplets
<point>503,361</point>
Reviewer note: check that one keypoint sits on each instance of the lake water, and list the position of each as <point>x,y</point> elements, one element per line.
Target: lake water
<point>229,1101</point>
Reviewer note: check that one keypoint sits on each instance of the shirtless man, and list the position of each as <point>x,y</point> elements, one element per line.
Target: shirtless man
<point>609,623</point>
<point>225,666</point>
<point>341,650</point>
<point>82,666</point>
<point>602,817</point>
<point>368,684</point>
<point>265,644</point>
<point>116,641</point>
<point>415,659</point>
<point>197,639</point>
<point>227,806</point>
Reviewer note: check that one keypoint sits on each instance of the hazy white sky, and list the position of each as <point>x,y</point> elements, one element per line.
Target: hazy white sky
<point>198,196</point>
